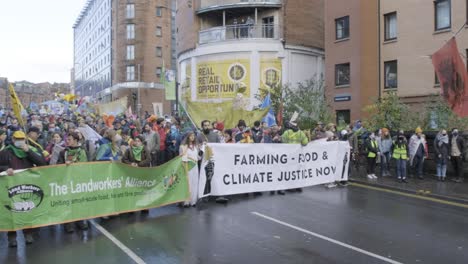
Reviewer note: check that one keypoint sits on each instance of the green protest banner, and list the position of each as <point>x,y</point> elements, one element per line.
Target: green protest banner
<point>59,194</point>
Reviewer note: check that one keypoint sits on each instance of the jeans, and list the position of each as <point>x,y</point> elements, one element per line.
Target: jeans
<point>441,169</point>
<point>401,168</point>
<point>385,164</point>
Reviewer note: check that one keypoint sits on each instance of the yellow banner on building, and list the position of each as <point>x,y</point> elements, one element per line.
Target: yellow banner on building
<point>270,70</point>
<point>225,112</point>
<point>223,78</point>
<point>16,105</point>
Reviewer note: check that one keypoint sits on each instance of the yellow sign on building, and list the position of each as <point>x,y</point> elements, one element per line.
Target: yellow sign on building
<point>270,70</point>
<point>223,79</point>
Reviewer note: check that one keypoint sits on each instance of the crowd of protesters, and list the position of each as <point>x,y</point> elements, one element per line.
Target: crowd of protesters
<point>152,141</point>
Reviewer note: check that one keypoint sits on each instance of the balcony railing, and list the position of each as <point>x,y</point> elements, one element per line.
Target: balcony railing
<point>239,32</point>
<point>207,5</point>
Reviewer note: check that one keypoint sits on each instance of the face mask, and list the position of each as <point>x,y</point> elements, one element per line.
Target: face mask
<point>455,134</point>
<point>19,144</point>
<point>419,137</point>
<point>444,135</point>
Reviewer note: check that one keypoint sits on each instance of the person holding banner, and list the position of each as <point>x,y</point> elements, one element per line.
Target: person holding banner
<point>55,147</point>
<point>73,153</point>
<point>152,140</point>
<point>109,148</point>
<point>189,151</point>
<point>18,156</point>
<point>294,136</point>
<point>137,154</point>
<point>2,139</point>
<point>209,136</point>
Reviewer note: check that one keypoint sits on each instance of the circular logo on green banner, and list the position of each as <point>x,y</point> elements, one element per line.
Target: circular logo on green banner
<point>24,198</point>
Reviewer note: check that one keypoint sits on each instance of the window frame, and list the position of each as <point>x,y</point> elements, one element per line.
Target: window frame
<point>159,12</point>
<point>158,72</point>
<point>385,75</point>
<point>132,31</point>
<point>130,51</point>
<point>346,19</point>
<point>337,83</point>
<point>435,15</point>
<point>130,12</point>
<point>159,51</point>
<point>386,33</point>
<point>130,72</point>
<point>158,30</point>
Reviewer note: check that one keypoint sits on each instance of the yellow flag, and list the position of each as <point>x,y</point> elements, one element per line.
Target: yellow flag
<point>17,106</point>
<point>69,97</point>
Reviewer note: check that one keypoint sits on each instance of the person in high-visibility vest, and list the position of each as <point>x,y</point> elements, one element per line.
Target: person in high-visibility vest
<point>372,153</point>
<point>400,154</point>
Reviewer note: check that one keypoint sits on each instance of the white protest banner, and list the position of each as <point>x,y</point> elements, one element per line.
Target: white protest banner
<point>245,168</point>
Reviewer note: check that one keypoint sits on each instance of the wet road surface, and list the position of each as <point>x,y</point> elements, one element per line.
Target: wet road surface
<point>340,225</point>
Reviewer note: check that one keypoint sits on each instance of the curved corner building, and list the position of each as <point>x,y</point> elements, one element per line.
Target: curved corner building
<point>228,48</point>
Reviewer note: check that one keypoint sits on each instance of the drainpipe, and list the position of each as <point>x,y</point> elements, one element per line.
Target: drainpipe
<point>380,55</point>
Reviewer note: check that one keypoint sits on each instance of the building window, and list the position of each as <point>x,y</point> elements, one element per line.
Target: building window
<point>130,31</point>
<point>158,71</point>
<point>391,74</point>
<point>130,52</point>
<point>343,117</point>
<point>342,74</point>
<point>130,73</point>
<point>158,51</point>
<point>158,31</point>
<point>436,80</point>
<point>442,10</point>
<point>159,11</point>
<point>130,10</point>
<point>390,26</point>
<point>342,27</point>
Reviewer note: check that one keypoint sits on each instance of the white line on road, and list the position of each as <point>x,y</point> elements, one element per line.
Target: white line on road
<point>119,244</point>
<point>328,239</point>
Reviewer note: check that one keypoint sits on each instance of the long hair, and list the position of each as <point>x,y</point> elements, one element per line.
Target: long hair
<point>186,140</point>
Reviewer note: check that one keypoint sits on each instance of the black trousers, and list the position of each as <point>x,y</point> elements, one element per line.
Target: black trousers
<point>457,164</point>
<point>371,165</point>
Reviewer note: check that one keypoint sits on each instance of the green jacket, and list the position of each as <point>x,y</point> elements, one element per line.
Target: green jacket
<point>291,137</point>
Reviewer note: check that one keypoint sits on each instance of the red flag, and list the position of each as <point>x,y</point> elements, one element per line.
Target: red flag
<point>453,77</point>
<point>279,115</point>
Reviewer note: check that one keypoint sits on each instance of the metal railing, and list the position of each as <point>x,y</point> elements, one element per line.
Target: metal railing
<point>233,32</point>
<point>212,3</point>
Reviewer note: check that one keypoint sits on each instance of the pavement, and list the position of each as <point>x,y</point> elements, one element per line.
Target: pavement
<point>354,224</point>
<point>429,186</point>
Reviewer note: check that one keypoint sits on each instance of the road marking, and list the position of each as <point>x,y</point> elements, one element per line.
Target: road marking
<point>119,244</point>
<point>327,239</point>
<point>410,195</point>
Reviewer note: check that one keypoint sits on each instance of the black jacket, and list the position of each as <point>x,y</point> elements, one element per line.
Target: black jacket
<point>9,160</point>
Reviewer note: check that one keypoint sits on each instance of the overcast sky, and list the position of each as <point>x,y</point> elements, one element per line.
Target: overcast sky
<point>36,39</point>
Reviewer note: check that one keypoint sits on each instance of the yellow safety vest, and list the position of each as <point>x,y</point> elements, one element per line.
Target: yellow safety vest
<point>374,145</point>
<point>400,152</point>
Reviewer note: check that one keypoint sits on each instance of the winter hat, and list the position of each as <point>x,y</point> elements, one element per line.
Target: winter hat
<point>418,130</point>
<point>344,132</point>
